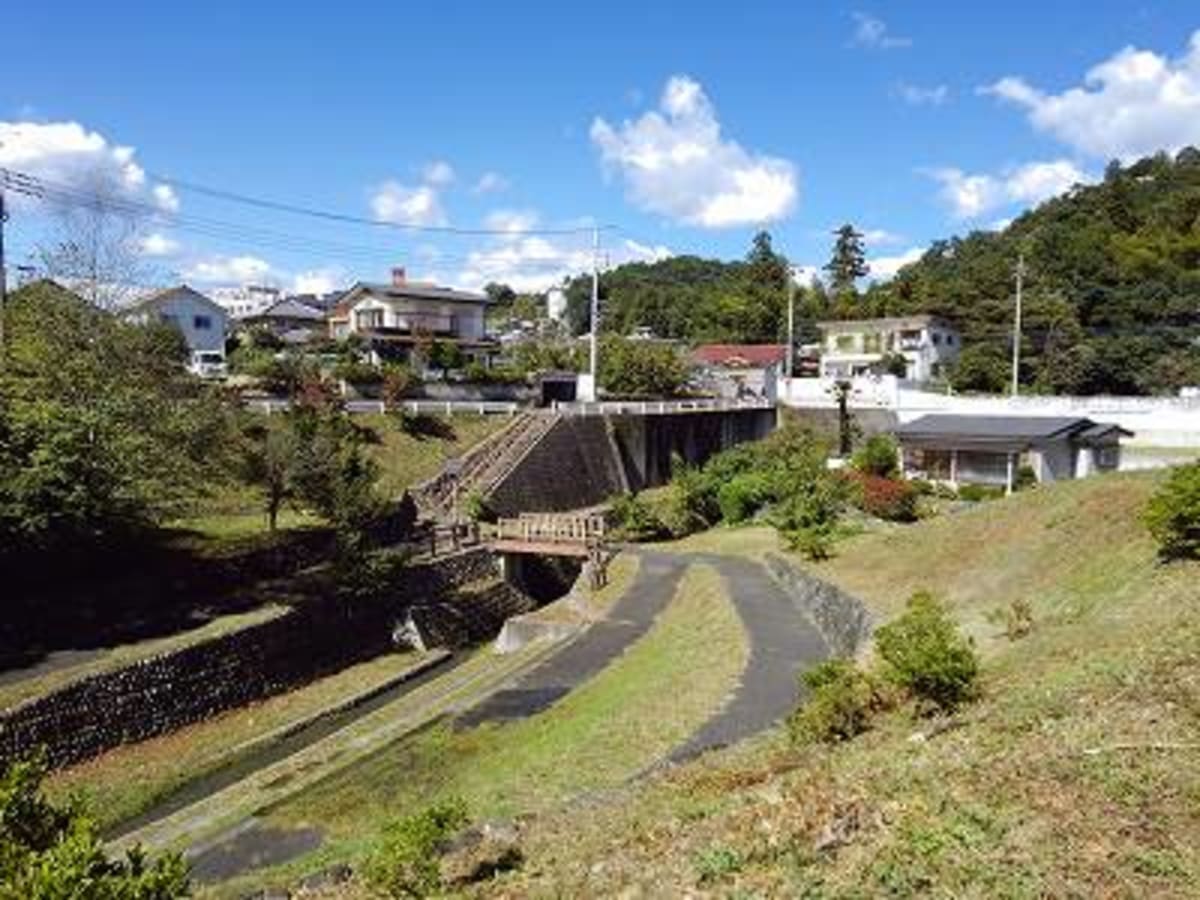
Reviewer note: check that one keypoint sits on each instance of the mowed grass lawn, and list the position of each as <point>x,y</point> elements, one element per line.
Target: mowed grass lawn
<point>129,780</point>
<point>1076,773</point>
<point>647,701</point>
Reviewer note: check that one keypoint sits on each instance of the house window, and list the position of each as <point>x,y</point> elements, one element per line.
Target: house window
<point>369,318</point>
<point>937,339</point>
<point>845,342</point>
<point>873,343</point>
<point>949,340</point>
<point>202,323</point>
<point>1108,457</point>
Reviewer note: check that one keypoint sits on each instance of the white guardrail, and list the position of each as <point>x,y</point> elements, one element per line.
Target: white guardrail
<point>416,407</point>
<point>657,407</point>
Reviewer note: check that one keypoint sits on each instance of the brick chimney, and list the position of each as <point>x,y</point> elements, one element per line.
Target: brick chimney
<point>399,277</point>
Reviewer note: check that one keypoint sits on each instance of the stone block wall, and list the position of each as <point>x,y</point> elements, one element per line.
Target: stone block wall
<point>162,693</point>
<point>844,622</point>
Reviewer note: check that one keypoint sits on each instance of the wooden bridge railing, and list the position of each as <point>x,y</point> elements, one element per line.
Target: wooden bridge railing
<point>552,528</point>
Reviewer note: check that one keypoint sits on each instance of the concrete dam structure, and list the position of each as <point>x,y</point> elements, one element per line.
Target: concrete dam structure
<point>581,460</point>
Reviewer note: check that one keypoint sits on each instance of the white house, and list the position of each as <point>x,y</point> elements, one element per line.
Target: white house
<point>202,323</point>
<point>396,318</point>
<point>927,344</point>
<point>965,449</point>
<point>247,300</point>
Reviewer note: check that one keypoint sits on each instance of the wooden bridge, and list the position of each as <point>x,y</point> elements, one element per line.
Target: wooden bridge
<point>550,534</point>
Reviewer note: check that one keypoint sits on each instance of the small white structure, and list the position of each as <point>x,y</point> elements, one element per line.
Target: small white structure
<point>989,450</point>
<point>858,347</point>
<point>556,304</point>
<point>397,317</point>
<point>247,300</point>
<point>202,323</point>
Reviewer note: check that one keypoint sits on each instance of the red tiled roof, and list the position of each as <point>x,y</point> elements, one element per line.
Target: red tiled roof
<point>745,356</point>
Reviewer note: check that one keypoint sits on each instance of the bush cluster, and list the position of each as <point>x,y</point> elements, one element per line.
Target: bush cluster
<point>885,498</point>
<point>404,860</point>
<point>879,456</point>
<point>921,653</point>
<point>1173,514</point>
<point>924,653</point>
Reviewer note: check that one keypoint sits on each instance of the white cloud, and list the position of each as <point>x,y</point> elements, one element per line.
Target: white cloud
<point>872,32</point>
<point>972,195</point>
<point>915,95</point>
<point>394,202</point>
<point>512,221</point>
<point>242,269</point>
<point>880,237</point>
<point>67,153</point>
<point>1133,104</point>
<point>166,198</point>
<point>675,163</point>
<point>806,275</point>
<point>156,244</point>
<point>438,173</point>
<point>884,268</point>
<point>534,263</point>
<point>319,281</point>
<point>490,183</point>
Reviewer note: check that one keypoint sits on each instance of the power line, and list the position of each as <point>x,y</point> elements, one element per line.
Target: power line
<point>278,206</point>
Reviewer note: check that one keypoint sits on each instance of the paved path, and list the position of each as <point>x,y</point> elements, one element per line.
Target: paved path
<point>603,641</point>
<point>783,642</point>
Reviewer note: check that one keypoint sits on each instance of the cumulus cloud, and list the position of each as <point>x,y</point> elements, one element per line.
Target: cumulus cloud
<point>880,237</point>
<point>438,173</point>
<point>319,281</point>
<point>916,95</point>
<point>884,268</point>
<point>512,221</point>
<point>69,154</point>
<point>490,183</point>
<point>1132,104</point>
<point>971,195</point>
<point>243,269</point>
<point>676,163</point>
<point>873,33</point>
<point>536,263</point>
<point>157,244</point>
<point>395,202</point>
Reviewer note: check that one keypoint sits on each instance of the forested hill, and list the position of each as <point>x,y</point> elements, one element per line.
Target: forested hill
<point>1112,291</point>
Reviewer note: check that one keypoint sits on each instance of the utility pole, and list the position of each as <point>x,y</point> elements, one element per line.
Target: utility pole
<point>3,279</point>
<point>791,321</point>
<point>594,346</point>
<point>1016,353</point>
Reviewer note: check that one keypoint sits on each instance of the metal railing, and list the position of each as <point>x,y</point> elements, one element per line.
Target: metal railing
<point>416,407</point>
<point>539,528</point>
<point>659,407</point>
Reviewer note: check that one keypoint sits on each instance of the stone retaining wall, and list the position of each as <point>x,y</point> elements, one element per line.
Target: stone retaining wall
<point>844,622</point>
<point>162,693</point>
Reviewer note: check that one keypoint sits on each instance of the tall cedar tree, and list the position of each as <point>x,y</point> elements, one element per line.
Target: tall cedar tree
<point>849,261</point>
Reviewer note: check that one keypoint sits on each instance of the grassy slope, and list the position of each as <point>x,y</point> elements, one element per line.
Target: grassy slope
<point>1075,775</point>
<point>605,731</point>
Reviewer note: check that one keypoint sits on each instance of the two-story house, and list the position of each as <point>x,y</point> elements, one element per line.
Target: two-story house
<point>396,318</point>
<point>202,323</point>
<point>927,344</point>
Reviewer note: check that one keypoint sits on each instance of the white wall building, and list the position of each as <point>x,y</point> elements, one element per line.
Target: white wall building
<point>858,347</point>
<point>247,300</point>
<point>202,323</point>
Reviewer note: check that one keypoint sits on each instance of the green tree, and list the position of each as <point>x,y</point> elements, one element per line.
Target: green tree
<point>104,430</point>
<point>49,852</point>
<point>1173,514</point>
<point>269,462</point>
<point>849,260</point>
<point>634,368</point>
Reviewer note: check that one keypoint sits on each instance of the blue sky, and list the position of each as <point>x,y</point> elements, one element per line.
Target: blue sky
<point>688,128</point>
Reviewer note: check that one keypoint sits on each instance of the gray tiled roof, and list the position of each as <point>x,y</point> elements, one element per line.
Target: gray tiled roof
<point>982,428</point>
<point>290,309</point>
<point>423,292</point>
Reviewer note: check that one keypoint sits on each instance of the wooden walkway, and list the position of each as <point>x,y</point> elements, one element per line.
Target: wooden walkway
<point>550,534</point>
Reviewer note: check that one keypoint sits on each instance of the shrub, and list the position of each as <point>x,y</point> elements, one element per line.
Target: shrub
<point>977,493</point>
<point>742,497</point>
<point>48,851</point>
<point>1026,478</point>
<point>1173,514</point>
<point>404,861</point>
<point>636,520</point>
<point>925,654</point>
<point>878,456</point>
<point>885,498</point>
<point>358,373</point>
<point>839,706</point>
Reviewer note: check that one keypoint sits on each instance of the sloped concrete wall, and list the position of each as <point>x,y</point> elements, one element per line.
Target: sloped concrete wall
<point>844,622</point>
